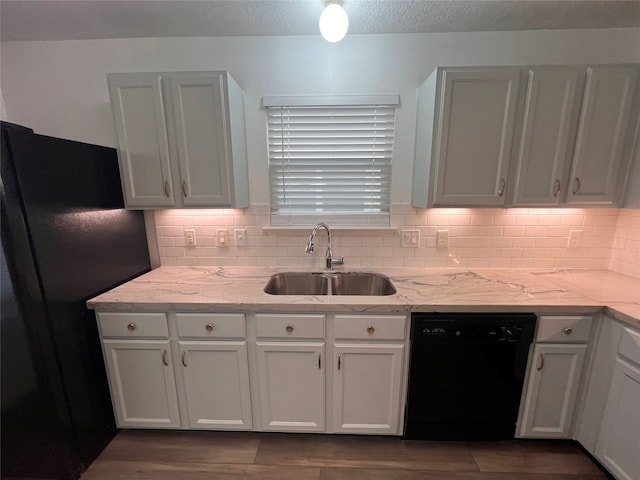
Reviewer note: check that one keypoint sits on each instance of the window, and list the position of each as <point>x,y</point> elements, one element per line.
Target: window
<point>330,159</point>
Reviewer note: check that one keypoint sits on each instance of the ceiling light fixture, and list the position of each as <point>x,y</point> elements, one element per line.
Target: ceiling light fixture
<point>334,21</point>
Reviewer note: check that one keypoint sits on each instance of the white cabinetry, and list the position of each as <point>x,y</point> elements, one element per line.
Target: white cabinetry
<point>367,381</point>
<point>555,372</point>
<point>464,136</point>
<point>548,125</point>
<point>618,444</point>
<point>604,120</point>
<point>181,139</point>
<point>571,126</point>
<point>140,369</point>
<point>290,355</point>
<point>215,370</point>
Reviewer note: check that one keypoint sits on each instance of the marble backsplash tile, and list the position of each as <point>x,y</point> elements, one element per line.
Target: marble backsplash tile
<point>494,238</point>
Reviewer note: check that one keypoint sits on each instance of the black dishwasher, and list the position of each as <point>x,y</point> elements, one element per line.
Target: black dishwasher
<point>466,374</point>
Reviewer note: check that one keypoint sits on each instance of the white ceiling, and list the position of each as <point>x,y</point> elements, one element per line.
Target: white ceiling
<point>90,19</point>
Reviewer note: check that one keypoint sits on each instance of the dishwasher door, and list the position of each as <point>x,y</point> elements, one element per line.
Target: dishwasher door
<point>466,375</point>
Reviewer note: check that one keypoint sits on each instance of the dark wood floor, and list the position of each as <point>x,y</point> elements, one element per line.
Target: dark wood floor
<point>161,455</point>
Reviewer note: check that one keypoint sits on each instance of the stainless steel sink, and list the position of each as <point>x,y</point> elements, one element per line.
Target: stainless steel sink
<point>330,283</point>
<point>361,283</point>
<point>297,283</point>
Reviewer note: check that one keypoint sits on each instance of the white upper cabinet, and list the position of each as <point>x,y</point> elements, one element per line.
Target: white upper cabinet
<point>181,139</point>
<point>604,120</point>
<point>570,148</point>
<point>548,125</point>
<point>465,124</point>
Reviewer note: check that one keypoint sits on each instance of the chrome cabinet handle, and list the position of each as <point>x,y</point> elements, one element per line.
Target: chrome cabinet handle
<point>371,329</point>
<point>576,185</point>
<point>557,191</point>
<point>289,328</point>
<point>503,185</point>
<point>339,360</point>
<point>209,327</point>
<point>319,362</point>
<point>164,358</point>
<point>539,367</point>
<point>184,358</point>
<point>166,188</point>
<point>568,331</point>
<point>131,327</point>
<point>184,188</point>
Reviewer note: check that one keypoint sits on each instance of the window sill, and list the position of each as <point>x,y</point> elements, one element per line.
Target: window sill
<point>338,229</point>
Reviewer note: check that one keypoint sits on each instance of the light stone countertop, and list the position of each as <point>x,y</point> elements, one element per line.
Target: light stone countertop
<point>544,291</point>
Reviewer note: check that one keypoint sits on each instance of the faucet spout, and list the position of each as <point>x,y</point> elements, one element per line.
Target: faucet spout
<point>329,260</point>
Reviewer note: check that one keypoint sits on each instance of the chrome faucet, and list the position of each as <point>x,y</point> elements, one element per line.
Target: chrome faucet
<point>329,260</point>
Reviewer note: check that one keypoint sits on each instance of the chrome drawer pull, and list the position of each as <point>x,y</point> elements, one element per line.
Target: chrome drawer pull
<point>339,360</point>
<point>164,358</point>
<point>184,358</point>
<point>166,188</point>
<point>131,327</point>
<point>209,327</point>
<point>576,185</point>
<point>568,331</point>
<point>371,329</point>
<point>289,328</point>
<point>541,362</point>
<point>557,192</point>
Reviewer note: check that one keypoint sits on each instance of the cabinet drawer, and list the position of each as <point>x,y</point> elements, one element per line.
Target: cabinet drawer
<point>380,327</point>
<point>133,324</point>
<point>630,345</point>
<point>564,329</point>
<point>290,326</point>
<point>211,325</point>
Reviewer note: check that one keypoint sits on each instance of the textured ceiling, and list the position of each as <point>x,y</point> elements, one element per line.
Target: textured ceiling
<point>87,19</point>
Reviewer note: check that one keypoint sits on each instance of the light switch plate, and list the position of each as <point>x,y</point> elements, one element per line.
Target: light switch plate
<point>190,239</point>
<point>241,237</point>
<point>575,239</point>
<point>222,240</point>
<point>411,238</point>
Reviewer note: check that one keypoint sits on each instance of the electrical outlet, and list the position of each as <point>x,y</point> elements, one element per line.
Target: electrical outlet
<point>190,237</point>
<point>575,239</point>
<point>442,239</point>
<point>222,239</point>
<point>241,237</point>
<point>411,238</point>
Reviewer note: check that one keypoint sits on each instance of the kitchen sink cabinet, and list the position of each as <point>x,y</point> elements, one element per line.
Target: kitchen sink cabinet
<point>619,439</point>
<point>139,366</point>
<point>464,134</point>
<point>555,373</point>
<point>571,144</point>
<point>290,352</point>
<point>181,139</point>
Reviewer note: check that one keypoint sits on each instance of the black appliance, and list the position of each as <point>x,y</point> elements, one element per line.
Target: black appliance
<point>65,239</point>
<point>466,375</point>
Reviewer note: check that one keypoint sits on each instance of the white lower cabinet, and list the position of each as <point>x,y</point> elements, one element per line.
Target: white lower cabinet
<point>552,388</point>
<point>216,381</point>
<point>292,386</point>
<point>555,372</point>
<point>366,388</point>
<point>618,446</point>
<point>142,383</point>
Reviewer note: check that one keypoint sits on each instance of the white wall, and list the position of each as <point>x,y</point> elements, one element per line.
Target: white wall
<point>59,88</point>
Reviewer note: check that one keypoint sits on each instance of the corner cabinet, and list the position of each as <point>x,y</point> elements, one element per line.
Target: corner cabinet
<point>464,136</point>
<point>619,439</point>
<point>555,372</point>
<point>181,139</point>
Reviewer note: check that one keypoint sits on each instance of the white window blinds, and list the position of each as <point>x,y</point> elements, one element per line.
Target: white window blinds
<point>331,162</point>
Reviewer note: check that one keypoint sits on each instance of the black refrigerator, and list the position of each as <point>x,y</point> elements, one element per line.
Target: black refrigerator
<point>66,237</point>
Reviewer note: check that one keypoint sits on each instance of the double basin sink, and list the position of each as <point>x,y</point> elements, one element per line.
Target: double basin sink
<point>329,283</point>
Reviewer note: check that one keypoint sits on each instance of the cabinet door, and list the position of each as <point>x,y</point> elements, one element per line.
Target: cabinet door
<point>216,377</point>
<point>551,391</point>
<point>143,148</point>
<point>474,136</point>
<point>367,387</point>
<point>604,117</point>
<point>142,383</point>
<point>547,128</point>
<point>292,392</point>
<point>618,445</point>
<point>200,114</point>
